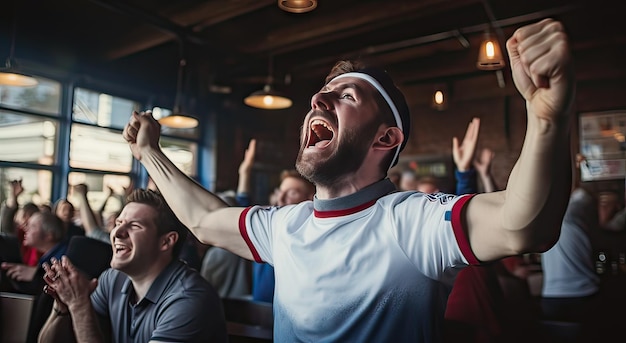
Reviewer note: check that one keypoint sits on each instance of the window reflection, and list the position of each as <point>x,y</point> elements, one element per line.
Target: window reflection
<point>99,149</point>
<point>37,185</point>
<point>182,153</point>
<point>105,191</point>
<point>45,97</point>
<point>102,109</point>
<point>25,138</point>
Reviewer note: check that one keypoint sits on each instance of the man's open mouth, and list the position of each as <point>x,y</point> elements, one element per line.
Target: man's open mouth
<point>321,133</point>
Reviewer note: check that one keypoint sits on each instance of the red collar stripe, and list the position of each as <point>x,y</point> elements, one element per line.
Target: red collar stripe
<point>348,211</point>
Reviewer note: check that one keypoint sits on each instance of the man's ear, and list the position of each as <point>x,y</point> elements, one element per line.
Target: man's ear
<point>389,139</point>
<point>168,240</point>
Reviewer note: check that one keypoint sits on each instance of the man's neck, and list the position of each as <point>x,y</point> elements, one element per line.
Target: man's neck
<point>144,280</point>
<point>348,185</point>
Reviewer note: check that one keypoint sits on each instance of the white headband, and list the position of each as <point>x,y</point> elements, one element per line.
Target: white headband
<point>372,81</point>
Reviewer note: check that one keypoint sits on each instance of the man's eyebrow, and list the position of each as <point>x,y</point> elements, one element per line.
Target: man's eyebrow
<point>342,87</point>
<point>141,221</point>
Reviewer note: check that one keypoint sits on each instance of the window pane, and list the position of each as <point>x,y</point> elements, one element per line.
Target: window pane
<point>25,138</point>
<point>45,97</point>
<point>182,153</point>
<point>99,149</point>
<point>158,113</point>
<point>102,109</point>
<point>98,190</point>
<point>37,184</point>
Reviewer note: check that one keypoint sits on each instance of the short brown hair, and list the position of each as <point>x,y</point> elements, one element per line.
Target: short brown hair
<point>166,220</point>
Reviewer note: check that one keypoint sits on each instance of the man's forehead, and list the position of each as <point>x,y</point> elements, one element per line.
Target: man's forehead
<point>138,211</point>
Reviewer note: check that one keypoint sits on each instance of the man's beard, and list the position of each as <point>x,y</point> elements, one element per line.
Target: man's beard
<point>346,159</point>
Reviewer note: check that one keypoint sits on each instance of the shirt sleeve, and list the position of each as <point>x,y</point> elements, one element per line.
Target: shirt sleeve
<point>99,297</point>
<point>259,239</point>
<point>192,315</point>
<point>466,182</point>
<point>429,229</point>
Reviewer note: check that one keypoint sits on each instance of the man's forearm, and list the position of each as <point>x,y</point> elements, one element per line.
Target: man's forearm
<point>540,183</point>
<point>58,328</point>
<point>189,200</point>
<point>86,326</point>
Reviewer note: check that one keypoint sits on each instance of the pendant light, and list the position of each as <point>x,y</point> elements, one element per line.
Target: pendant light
<point>490,54</point>
<point>268,98</point>
<point>179,120</point>
<point>441,97</point>
<point>297,6</point>
<point>10,74</point>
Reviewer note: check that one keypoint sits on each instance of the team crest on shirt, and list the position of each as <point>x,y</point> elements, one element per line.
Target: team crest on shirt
<point>442,198</point>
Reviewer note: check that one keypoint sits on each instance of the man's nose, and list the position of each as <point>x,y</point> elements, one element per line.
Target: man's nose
<point>120,230</point>
<point>322,101</point>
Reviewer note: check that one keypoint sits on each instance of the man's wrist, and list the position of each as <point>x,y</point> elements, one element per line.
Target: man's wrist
<point>59,312</point>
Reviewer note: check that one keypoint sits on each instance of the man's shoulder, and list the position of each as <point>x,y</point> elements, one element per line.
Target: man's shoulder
<point>188,277</point>
<point>187,283</point>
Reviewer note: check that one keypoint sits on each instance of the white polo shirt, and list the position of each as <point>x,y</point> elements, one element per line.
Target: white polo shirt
<point>374,266</point>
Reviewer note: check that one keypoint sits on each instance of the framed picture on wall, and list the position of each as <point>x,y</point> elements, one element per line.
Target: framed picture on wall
<point>603,143</point>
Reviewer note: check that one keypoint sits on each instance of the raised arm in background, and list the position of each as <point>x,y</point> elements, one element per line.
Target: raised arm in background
<point>482,164</point>
<point>463,155</point>
<point>245,169</point>
<point>10,207</point>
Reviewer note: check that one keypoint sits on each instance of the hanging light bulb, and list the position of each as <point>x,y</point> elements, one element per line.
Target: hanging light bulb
<point>268,98</point>
<point>10,74</point>
<point>179,120</point>
<point>490,55</point>
<point>440,98</point>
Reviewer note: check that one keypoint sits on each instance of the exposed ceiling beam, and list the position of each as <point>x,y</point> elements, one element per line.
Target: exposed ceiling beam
<point>186,23</point>
<point>365,18</point>
<point>433,38</point>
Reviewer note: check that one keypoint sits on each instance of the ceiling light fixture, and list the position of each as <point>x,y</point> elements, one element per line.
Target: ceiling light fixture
<point>490,54</point>
<point>297,6</point>
<point>441,97</point>
<point>10,74</point>
<point>268,98</point>
<point>177,119</point>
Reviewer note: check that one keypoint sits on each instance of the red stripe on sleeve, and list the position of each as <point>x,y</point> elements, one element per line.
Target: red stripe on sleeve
<point>459,231</point>
<point>244,235</point>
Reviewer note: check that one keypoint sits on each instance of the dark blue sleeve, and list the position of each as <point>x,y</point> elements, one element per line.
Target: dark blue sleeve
<point>466,182</point>
<point>263,282</point>
<point>243,199</point>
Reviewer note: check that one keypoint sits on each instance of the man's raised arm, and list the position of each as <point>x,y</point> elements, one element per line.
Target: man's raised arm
<point>204,213</point>
<point>527,215</point>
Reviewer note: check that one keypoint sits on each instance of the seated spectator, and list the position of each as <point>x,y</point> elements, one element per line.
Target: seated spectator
<point>45,233</point>
<point>167,300</point>
<point>408,180</point>
<point>569,278</point>
<point>14,220</point>
<point>427,184</point>
<point>64,209</point>
<point>228,273</point>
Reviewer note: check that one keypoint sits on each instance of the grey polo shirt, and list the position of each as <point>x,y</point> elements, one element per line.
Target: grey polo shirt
<point>180,306</point>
